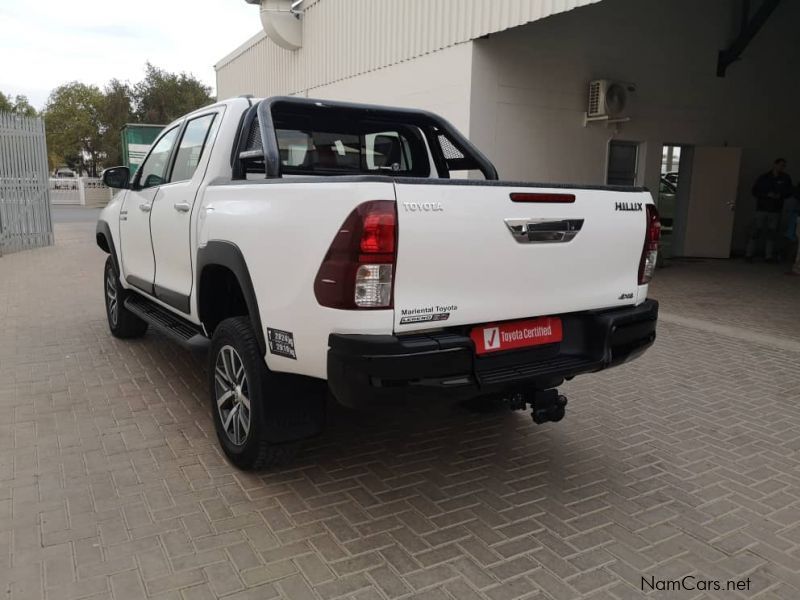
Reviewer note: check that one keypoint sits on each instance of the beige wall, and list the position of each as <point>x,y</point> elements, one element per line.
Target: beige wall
<point>529,88</point>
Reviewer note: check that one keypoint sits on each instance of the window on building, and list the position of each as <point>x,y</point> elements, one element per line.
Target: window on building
<point>623,162</point>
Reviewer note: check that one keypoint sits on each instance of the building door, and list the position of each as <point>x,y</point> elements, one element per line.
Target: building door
<point>671,182</point>
<point>623,162</point>
<point>711,202</point>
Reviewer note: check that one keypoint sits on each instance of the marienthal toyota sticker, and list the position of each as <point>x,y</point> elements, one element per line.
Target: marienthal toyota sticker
<point>425,314</point>
<point>281,343</point>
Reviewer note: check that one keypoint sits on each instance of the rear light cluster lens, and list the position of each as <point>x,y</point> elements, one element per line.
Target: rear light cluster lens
<point>647,265</point>
<point>358,270</point>
<point>373,286</point>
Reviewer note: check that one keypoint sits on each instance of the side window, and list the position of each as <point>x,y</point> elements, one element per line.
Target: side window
<point>191,147</point>
<point>154,170</point>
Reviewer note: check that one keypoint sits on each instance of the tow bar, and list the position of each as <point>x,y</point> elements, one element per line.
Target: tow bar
<point>546,405</point>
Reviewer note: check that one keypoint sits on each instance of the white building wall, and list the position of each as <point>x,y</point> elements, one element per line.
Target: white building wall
<point>529,89</point>
<point>439,82</point>
<point>346,38</point>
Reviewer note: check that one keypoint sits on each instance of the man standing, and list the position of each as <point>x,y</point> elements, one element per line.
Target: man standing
<point>770,190</point>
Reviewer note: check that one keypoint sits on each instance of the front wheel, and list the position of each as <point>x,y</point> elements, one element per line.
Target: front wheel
<point>259,415</point>
<point>122,322</point>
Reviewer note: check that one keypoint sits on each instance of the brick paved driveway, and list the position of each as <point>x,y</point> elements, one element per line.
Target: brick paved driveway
<point>684,462</point>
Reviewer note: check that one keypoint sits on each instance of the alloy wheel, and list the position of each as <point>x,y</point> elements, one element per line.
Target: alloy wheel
<point>232,395</point>
<point>112,297</point>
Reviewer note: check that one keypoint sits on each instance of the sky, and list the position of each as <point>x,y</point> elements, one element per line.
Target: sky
<point>44,43</point>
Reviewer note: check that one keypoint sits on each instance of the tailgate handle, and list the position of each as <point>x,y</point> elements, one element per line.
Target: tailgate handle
<point>544,231</point>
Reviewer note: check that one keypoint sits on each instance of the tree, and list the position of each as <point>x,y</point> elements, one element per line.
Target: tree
<point>117,110</point>
<point>23,107</point>
<point>162,97</point>
<point>19,106</point>
<point>83,122</point>
<point>73,121</point>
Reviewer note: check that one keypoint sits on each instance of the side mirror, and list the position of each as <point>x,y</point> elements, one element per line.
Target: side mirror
<point>117,177</point>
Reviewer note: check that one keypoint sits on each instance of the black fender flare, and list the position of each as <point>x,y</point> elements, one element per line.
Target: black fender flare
<point>103,232</point>
<point>228,255</point>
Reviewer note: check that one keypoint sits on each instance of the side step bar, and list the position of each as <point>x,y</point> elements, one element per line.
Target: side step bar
<point>180,330</point>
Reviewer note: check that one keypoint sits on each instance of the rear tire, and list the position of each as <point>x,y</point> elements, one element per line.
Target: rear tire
<point>122,322</point>
<point>259,415</point>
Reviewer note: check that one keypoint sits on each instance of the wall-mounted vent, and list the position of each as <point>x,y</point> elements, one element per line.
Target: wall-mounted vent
<point>608,99</point>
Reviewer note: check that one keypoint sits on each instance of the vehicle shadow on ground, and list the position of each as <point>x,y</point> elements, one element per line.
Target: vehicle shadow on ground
<point>428,448</point>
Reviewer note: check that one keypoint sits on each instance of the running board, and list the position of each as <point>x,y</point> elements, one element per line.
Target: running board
<point>174,327</point>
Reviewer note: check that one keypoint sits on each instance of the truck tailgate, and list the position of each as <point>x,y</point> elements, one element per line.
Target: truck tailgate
<point>468,254</point>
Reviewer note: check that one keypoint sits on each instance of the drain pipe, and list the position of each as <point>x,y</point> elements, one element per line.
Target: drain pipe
<point>281,22</point>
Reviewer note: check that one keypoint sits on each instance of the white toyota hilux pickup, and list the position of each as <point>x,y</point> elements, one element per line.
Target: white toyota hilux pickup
<point>312,246</point>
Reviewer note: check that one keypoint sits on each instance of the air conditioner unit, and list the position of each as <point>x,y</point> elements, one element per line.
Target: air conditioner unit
<point>608,99</point>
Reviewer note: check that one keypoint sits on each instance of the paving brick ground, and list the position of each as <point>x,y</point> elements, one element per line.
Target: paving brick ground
<point>686,462</point>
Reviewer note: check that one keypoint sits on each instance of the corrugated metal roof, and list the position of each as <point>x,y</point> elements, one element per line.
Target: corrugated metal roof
<point>344,38</point>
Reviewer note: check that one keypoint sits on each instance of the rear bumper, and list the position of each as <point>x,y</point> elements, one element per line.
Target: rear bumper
<point>363,369</point>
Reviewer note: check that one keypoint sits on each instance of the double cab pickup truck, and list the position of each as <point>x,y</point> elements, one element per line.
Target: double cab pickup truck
<point>317,249</point>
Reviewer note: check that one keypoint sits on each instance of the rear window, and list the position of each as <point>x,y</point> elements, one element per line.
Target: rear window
<point>310,146</point>
<point>313,151</point>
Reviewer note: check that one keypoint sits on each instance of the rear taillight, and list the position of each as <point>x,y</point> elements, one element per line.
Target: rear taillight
<point>647,265</point>
<point>358,270</point>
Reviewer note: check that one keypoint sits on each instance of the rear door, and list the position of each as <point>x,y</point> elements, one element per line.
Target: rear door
<point>468,254</point>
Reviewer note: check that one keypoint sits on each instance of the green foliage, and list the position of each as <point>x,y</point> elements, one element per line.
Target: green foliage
<point>19,105</point>
<point>162,97</point>
<point>83,123</point>
<point>117,110</point>
<point>73,122</point>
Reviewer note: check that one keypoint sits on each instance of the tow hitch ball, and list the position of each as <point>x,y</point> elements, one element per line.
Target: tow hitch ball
<point>546,405</point>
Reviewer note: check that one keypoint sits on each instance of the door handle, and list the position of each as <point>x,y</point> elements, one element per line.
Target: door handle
<point>144,207</point>
<point>182,206</point>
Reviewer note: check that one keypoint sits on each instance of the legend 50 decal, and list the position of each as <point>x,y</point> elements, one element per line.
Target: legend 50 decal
<point>426,314</point>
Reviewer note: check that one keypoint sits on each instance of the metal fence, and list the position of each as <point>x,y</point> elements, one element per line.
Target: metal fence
<point>25,220</point>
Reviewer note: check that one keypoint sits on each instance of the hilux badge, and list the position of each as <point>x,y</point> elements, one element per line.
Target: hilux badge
<point>629,206</point>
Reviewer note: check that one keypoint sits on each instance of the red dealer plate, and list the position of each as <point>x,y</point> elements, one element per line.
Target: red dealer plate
<point>517,334</point>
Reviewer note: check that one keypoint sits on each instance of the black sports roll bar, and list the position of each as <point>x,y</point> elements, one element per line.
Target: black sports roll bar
<point>430,124</point>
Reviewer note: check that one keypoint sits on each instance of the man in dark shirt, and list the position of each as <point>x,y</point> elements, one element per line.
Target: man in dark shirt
<point>770,190</point>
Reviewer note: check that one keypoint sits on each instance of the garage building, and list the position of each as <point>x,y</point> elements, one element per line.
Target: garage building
<point>691,99</point>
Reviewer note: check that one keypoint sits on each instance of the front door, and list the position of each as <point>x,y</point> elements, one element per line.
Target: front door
<point>171,217</point>
<point>138,265</point>
<point>712,202</point>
